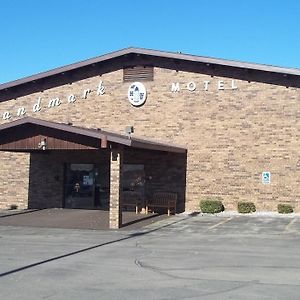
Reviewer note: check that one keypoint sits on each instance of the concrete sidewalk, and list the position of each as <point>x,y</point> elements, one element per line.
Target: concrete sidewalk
<point>182,257</point>
<point>74,218</point>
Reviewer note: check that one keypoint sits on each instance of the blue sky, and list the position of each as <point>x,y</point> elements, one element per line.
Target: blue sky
<point>40,35</point>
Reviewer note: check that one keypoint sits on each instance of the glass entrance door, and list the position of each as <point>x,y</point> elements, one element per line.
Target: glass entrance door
<point>133,179</point>
<point>87,186</point>
<point>80,186</point>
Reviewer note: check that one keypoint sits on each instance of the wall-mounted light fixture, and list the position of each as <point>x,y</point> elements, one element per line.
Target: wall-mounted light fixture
<point>129,130</point>
<point>43,144</point>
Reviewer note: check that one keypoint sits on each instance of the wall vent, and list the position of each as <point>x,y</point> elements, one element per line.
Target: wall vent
<point>138,73</point>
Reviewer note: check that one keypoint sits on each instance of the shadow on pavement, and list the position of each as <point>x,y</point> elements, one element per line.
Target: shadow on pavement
<point>130,236</point>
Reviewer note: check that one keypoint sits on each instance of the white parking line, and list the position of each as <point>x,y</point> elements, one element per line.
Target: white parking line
<point>288,226</point>
<point>220,223</point>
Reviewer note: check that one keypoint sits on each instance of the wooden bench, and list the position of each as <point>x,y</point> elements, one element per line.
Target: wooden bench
<point>162,200</point>
<point>132,199</point>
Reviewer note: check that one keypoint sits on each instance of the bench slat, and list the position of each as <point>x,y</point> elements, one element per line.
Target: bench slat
<point>164,200</point>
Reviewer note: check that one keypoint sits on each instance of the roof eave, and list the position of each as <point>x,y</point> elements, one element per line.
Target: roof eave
<point>98,134</point>
<point>157,53</point>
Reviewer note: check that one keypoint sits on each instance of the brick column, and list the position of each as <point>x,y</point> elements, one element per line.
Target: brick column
<point>115,208</point>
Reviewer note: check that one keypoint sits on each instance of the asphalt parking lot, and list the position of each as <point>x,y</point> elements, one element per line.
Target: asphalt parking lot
<point>182,257</point>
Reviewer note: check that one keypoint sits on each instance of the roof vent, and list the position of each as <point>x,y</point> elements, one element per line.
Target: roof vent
<point>138,73</point>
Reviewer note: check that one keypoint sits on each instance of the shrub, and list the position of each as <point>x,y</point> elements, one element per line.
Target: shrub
<point>285,208</point>
<point>246,207</point>
<point>211,206</point>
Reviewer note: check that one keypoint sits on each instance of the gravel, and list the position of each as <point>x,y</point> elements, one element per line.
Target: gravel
<point>254,214</point>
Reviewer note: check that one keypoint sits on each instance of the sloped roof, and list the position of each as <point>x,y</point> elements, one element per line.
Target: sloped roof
<point>158,54</point>
<point>95,133</point>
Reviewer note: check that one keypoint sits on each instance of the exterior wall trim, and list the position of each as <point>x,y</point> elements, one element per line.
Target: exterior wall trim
<point>111,137</point>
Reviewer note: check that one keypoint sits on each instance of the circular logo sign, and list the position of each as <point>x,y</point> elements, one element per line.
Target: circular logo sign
<point>137,94</point>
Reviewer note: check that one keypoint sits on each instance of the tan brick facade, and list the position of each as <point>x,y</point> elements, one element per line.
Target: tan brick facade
<point>14,180</point>
<point>232,136</point>
<point>115,211</point>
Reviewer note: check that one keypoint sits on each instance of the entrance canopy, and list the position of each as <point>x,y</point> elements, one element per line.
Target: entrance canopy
<point>31,134</point>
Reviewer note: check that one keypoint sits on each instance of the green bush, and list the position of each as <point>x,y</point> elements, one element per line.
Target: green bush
<point>285,208</point>
<point>211,206</point>
<point>246,207</point>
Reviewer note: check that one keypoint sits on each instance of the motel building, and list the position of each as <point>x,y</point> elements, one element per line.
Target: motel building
<point>137,123</point>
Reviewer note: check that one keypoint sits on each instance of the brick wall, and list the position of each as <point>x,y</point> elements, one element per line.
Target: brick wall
<point>14,178</point>
<point>164,172</point>
<point>232,136</point>
<point>46,186</point>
